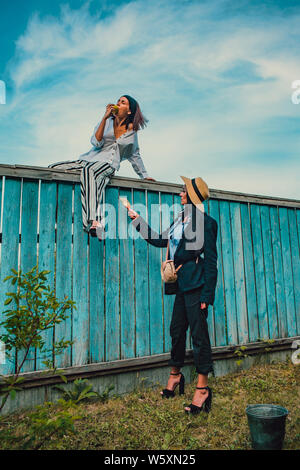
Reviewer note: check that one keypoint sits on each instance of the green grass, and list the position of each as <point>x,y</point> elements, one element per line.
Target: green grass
<point>143,420</point>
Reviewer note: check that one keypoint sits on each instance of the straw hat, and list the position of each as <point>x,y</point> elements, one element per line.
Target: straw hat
<point>197,190</point>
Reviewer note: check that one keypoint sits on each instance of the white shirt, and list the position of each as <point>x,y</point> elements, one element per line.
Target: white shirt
<point>176,233</point>
<point>113,151</point>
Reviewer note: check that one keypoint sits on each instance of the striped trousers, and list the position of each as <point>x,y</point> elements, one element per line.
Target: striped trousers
<point>94,177</point>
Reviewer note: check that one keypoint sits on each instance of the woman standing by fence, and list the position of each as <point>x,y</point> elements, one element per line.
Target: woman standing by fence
<point>193,233</point>
<point>114,140</point>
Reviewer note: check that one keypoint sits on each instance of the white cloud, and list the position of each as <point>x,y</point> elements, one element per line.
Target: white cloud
<point>175,59</point>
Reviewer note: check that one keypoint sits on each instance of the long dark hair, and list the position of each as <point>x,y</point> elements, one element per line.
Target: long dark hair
<point>138,120</point>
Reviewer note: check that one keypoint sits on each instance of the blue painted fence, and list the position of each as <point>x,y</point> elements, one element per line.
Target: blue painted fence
<point>121,309</point>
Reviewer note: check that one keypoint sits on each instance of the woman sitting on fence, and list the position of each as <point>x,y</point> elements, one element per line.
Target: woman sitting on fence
<point>114,140</point>
<point>191,234</point>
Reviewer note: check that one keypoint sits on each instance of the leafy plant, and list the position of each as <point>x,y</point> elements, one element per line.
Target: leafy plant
<point>34,309</point>
<point>104,396</point>
<point>49,423</point>
<point>240,353</point>
<point>82,390</point>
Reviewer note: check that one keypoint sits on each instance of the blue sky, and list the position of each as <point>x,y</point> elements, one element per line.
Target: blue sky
<point>214,78</point>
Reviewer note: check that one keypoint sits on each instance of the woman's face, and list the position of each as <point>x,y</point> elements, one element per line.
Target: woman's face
<point>183,195</point>
<point>124,108</point>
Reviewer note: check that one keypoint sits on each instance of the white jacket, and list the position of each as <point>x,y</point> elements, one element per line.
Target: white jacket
<point>113,151</point>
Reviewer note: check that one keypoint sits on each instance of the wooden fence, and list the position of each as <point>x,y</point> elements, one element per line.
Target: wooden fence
<point>122,312</point>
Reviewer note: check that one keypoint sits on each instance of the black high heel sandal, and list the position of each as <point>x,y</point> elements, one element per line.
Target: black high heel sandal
<point>97,232</point>
<point>206,405</point>
<point>166,393</point>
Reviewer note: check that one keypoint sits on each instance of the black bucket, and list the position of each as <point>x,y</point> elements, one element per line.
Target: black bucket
<point>267,426</point>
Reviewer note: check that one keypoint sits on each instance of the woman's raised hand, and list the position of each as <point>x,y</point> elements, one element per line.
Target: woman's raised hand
<point>108,111</point>
<point>132,214</point>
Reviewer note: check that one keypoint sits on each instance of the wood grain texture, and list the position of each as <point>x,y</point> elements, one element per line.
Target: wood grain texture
<point>127,293</point>
<point>167,217</point>
<point>155,282</point>
<point>112,273</point>
<point>32,172</point>
<point>141,281</point>
<point>210,316</point>
<point>219,310</point>
<point>64,263</point>
<point>11,190</point>
<point>249,268</point>
<point>46,253</point>
<point>285,238</point>
<point>228,269</point>
<point>80,318</point>
<point>280,321</point>
<point>295,253</point>
<point>239,274</point>
<point>259,269</point>
<point>97,299</point>
<point>29,229</point>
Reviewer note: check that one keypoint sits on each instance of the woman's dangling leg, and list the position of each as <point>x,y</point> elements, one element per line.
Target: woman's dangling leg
<point>94,178</point>
<point>74,165</point>
<point>102,181</point>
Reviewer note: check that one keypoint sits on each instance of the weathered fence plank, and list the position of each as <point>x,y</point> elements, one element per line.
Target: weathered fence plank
<point>272,324</point>
<point>80,318</point>
<point>287,271</point>
<point>167,217</point>
<point>281,319</point>
<point>155,286</point>
<point>46,251</point>
<point>29,229</point>
<point>97,300</point>
<point>11,194</point>
<point>239,276</point>
<point>219,304</point>
<point>112,273</point>
<point>259,269</point>
<point>292,215</point>
<point>228,269</point>
<point>141,281</point>
<point>64,263</point>
<point>249,273</point>
<point>127,304</point>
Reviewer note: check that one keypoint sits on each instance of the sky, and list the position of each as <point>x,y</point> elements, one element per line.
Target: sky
<point>215,79</point>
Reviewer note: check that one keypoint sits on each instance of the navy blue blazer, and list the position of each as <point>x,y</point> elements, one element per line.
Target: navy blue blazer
<point>196,270</point>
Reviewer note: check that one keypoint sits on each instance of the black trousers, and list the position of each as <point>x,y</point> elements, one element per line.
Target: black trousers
<point>187,313</point>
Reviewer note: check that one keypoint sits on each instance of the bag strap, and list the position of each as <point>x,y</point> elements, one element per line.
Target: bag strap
<point>167,255</point>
